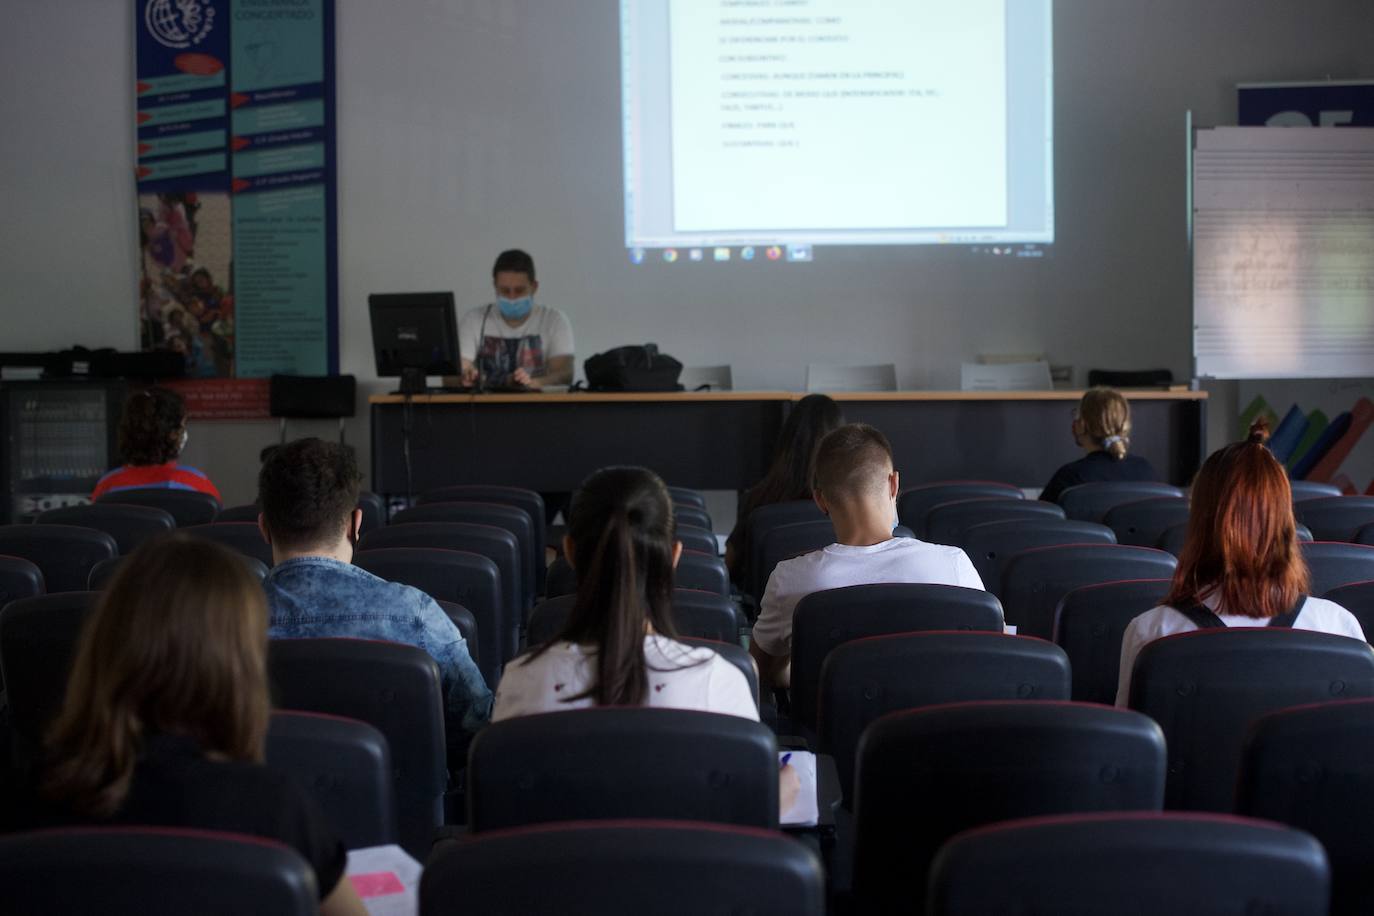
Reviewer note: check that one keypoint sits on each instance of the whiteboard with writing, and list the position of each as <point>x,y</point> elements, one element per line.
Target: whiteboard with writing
<point>1283,252</point>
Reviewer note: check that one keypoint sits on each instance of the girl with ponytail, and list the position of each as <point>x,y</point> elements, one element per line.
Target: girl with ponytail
<point>1102,428</point>
<point>1241,565</point>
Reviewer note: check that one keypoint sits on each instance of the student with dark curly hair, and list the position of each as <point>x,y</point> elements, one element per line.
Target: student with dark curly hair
<point>152,433</point>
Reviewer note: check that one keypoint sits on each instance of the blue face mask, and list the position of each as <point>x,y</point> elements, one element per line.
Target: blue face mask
<point>515,309</point>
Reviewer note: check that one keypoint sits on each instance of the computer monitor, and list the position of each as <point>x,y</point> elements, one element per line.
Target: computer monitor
<point>414,335</point>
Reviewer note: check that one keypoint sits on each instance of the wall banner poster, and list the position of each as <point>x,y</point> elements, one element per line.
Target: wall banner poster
<point>1329,103</point>
<point>236,194</point>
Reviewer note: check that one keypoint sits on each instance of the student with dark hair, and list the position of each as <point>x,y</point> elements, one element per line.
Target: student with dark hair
<point>856,486</point>
<point>165,717</point>
<point>308,492</point>
<point>1102,428</point>
<point>1241,565</point>
<point>513,341</point>
<point>152,433</point>
<point>789,476</point>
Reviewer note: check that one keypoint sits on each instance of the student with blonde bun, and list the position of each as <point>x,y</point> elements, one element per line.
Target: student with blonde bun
<point>1101,427</point>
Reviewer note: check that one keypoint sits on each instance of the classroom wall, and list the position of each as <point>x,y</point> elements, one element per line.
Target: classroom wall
<point>468,126</point>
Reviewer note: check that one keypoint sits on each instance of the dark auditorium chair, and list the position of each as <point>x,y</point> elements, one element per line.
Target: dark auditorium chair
<point>1143,522</point>
<point>1089,624</point>
<point>1358,599</point>
<point>562,579</point>
<point>699,539</point>
<point>947,523</point>
<point>188,507</point>
<point>346,765</point>
<point>760,522</point>
<point>458,576</point>
<point>1336,563</point>
<point>102,571</point>
<point>64,553</point>
<point>867,678</point>
<point>622,762</point>
<point>528,500</point>
<point>991,545</point>
<point>38,638</point>
<point>691,515</point>
<point>497,544</point>
<point>1172,540</point>
<point>704,572</point>
<point>1090,502</point>
<point>589,869</point>
<point>785,542</point>
<point>1311,489</point>
<point>924,775</point>
<point>1035,580</point>
<point>153,871</point>
<point>1335,518</point>
<point>392,687</point>
<point>913,504</point>
<point>1312,767</point>
<point>704,615</point>
<point>1207,687</point>
<point>373,509</point>
<point>245,513</point>
<point>242,537</point>
<point>467,625</point>
<point>1137,863</point>
<point>1364,536</point>
<point>128,525</point>
<point>500,515</point>
<point>686,496</point>
<point>19,578</point>
<point>826,619</point>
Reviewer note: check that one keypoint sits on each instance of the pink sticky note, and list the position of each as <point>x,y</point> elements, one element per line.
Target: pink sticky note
<point>377,884</point>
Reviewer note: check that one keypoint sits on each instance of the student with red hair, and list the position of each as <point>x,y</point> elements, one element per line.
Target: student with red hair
<point>1241,565</point>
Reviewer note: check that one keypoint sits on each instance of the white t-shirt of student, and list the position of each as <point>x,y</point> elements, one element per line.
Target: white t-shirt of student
<point>680,677</point>
<point>501,349</point>
<point>1317,614</point>
<point>839,565</point>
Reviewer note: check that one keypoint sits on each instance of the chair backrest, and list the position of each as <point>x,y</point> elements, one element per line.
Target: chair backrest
<point>948,523</point>
<point>1206,688</point>
<point>1335,518</point>
<point>588,869</point>
<point>1336,563</point>
<point>717,378</point>
<point>465,578</point>
<point>188,507</point>
<point>392,687</point>
<point>704,572</point>
<point>374,511</point>
<point>38,639</point>
<point>1358,599</point>
<point>698,614</point>
<point>687,496</point>
<point>497,544</point>
<point>866,678</point>
<point>248,512</point>
<point>1312,767</point>
<point>500,515</point>
<point>787,541</point>
<point>244,537</point>
<point>760,522</point>
<point>64,553</point>
<point>153,871</point>
<point>1035,580</point>
<point>528,500</point>
<point>700,540</point>
<point>829,377</point>
<point>1090,502</point>
<point>991,545</point>
<point>19,578</point>
<point>618,762</point>
<point>467,625</point>
<point>692,515</point>
<point>1311,489</point>
<point>128,525</point>
<point>914,504</point>
<point>1143,522</point>
<point>1089,624</point>
<point>102,571</point>
<point>925,774</point>
<point>1131,863</point>
<point>826,619</point>
<point>346,765</point>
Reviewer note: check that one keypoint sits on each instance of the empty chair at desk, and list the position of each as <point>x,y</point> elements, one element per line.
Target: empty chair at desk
<point>102,571</point>
<point>1139,863</point>
<point>948,523</point>
<point>65,553</point>
<point>38,639</point>
<point>1090,502</point>
<point>244,537</point>
<point>1036,580</point>
<point>1333,563</point>
<point>1089,624</point>
<point>662,867</point>
<point>914,504</point>
<point>708,378</point>
<point>827,377</point>
<point>1335,518</point>
<point>128,525</point>
<point>1143,522</point>
<point>19,578</point>
<point>925,774</point>
<point>991,545</point>
<point>1206,688</point>
<point>188,507</point>
<point>512,518</point>
<point>1311,489</point>
<point>153,871</point>
<point>705,615</point>
<point>1358,599</point>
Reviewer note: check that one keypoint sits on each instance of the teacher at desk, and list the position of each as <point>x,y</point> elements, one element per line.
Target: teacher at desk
<point>516,342</point>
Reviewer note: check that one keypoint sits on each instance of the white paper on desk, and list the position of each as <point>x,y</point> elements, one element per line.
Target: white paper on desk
<point>805,812</point>
<point>387,879</point>
<point>1006,376</point>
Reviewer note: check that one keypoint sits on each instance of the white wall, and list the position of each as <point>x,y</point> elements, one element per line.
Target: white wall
<point>468,126</point>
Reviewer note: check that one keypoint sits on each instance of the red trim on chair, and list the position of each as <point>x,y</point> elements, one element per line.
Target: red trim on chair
<point>555,827</point>
<point>1109,816</point>
<point>191,833</point>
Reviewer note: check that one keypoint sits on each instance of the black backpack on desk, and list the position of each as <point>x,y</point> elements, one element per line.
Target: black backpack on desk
<point>634,368</point>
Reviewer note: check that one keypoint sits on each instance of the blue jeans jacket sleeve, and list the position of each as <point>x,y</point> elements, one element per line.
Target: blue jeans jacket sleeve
<point>467,698</point>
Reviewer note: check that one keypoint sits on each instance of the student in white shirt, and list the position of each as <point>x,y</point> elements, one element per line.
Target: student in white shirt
<point>513,341</point>
<point>856,486</point>
<point>1241,564</point>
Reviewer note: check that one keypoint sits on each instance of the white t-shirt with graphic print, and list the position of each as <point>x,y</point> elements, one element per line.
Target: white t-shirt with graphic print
<point>544,334</point>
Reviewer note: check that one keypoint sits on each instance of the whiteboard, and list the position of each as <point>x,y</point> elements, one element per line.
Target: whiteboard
<point>1283,252</point>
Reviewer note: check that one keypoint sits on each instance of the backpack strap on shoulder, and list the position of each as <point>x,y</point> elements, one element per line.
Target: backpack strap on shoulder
<point>1201,617</point>
<point>1288,618</point>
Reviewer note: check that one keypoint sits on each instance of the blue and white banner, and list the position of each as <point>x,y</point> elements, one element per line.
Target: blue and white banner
<point>1323,104</point>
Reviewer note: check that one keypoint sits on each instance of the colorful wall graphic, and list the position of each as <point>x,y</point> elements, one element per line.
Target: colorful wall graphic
<point>1320,429</point>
